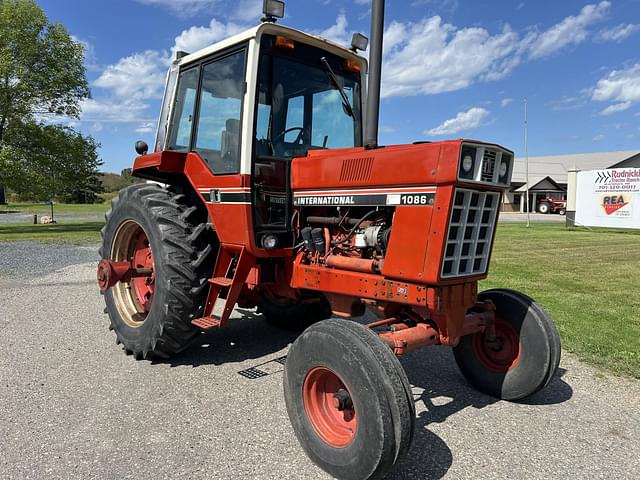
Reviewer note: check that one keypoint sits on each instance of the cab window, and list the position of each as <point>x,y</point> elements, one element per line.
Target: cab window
<point>182,120</point>
<point>220,109</point>
<point>207,116</point>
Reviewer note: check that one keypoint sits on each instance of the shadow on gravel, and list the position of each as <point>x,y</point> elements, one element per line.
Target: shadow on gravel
<point>443,392</point>
<point>246,338</point>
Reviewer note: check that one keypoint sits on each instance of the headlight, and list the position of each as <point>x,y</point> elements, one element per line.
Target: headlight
<point>505,166</point>
<point>467,163</point>
<point>269,241</point>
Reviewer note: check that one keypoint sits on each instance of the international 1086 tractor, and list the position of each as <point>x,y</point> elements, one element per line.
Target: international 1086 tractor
<point>270,190</point>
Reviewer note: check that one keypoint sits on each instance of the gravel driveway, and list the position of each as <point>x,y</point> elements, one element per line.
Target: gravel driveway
<point>72,405</point>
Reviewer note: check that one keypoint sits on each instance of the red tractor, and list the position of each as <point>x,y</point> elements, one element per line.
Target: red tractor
<point>275,194</point>
<point>551,205</point>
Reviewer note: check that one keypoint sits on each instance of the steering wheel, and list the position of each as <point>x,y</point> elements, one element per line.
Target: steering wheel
<point>298,139</point>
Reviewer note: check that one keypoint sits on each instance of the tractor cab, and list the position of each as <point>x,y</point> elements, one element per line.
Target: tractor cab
<point>250,104</point>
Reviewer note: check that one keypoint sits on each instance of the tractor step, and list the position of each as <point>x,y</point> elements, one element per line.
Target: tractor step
<point>222,281</point>
<point>229,275</point>
<point>206,323</point>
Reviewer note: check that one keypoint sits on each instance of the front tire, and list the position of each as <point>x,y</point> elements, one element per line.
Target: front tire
<point>349,400</point>
<point>526,355</point>
<point>154,228</point>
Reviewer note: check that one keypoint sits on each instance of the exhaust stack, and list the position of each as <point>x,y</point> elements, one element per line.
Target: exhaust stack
<point>375,75</point>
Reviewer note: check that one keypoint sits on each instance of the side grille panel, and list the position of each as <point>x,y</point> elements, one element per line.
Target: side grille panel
<point>470,234</point>
<point>356,170</point>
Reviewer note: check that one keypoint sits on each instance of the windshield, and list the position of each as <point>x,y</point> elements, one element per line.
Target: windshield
<point>300,103</point>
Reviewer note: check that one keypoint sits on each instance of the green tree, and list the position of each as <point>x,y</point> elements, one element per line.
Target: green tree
<point>41,67</point>
<point>49,161</point>
<point>42,77</point>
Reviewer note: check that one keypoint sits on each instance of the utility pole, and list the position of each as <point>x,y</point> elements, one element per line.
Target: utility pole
<point>526,160</point>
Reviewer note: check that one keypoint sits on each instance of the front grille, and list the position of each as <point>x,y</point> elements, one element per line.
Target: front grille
<point>470,234</point>
<point>488,165</point>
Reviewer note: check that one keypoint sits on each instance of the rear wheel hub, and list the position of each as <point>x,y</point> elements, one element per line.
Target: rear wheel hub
<point>134,297</point>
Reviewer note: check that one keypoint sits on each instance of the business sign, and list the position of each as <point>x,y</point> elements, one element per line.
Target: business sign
<point>608,198</point>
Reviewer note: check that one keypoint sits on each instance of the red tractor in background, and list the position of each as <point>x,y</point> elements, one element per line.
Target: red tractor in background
<point>551,205</point>
<point>275,194</point>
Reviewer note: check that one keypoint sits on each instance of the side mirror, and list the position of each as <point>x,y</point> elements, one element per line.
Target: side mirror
<point>141,147</point>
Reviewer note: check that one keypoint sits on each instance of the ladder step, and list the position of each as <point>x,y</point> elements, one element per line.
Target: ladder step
<point>221,281</point>
<point>206,323</point>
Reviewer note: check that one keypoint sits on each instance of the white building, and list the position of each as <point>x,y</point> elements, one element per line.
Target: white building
<point>548,175</point>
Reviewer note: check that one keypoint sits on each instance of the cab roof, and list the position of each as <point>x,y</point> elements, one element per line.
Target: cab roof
<point>275,29</point>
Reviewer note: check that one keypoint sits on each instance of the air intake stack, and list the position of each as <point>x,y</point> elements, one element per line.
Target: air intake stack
<point>375,75</point>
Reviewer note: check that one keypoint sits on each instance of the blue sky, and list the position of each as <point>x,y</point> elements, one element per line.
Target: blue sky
<point>452,68</point>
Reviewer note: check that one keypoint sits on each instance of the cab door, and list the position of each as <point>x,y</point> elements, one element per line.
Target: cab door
<point>207,124</point>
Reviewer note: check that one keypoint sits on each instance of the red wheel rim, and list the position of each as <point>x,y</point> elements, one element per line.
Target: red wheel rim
<point>502,355</point>
<point>329,407</point>
<point>142,257</point>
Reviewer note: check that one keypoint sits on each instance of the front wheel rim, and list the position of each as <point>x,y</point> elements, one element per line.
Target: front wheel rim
<point>133,299</point>
<point>329,407</point>
<point>504,353</point>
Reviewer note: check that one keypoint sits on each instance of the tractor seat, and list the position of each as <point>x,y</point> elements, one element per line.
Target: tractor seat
<point>230,144</point>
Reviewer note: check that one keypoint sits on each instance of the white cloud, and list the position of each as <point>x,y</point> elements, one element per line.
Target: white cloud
<point>195,38</point>
<point>138,76</point>
<point>505,102</point>
<point>468,120</point>
<point>146,127</point>
<point>622,87</point>
<point>338,31</point>
<point>182,8</point>
<point>615,108</point>
<point>126,88</point>
<point>598,138</point>
<point>110,110</point>
<point>567,103</point>
<point>570,31</point>
<point>617,33</point>
<point>431,57</point>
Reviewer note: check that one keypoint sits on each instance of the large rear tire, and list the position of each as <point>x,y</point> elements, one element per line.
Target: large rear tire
<point>527,353</point>
<point>154,228</point>
<point>544,208</point>
<point>349,400</point>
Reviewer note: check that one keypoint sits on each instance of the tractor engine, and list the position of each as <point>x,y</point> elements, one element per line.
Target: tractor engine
<point>351,239</point>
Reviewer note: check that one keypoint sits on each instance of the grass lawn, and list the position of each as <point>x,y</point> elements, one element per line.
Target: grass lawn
<point>587,280</point>
<point>72,232</point>
<point>58,208</point>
